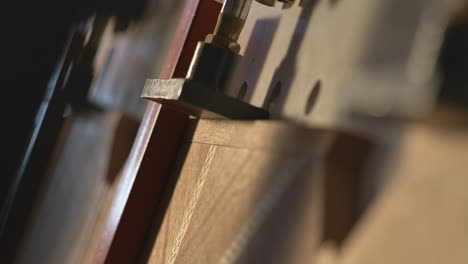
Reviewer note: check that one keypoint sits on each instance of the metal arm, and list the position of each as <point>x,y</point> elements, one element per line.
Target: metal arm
<point>237,8</point>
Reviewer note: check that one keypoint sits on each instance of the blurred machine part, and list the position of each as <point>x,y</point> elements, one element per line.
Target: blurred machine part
<point>87,144</point>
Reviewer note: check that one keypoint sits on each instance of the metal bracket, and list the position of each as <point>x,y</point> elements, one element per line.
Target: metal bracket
<point>199,100</point>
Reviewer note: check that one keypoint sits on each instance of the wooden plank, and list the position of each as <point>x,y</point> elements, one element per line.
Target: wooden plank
<point>225,187</point>
<point>221,179</point>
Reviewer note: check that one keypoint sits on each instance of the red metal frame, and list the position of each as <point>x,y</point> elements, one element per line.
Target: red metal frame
<point>144,176</point>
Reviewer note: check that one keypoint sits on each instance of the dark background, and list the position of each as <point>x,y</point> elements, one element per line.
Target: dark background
<point>32,38</point>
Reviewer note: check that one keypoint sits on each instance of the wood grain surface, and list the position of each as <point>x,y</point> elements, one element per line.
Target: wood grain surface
<point>225,205</point>
<point>229,176</point>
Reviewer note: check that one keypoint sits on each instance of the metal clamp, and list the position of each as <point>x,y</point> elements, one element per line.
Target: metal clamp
<point>202,92</point>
